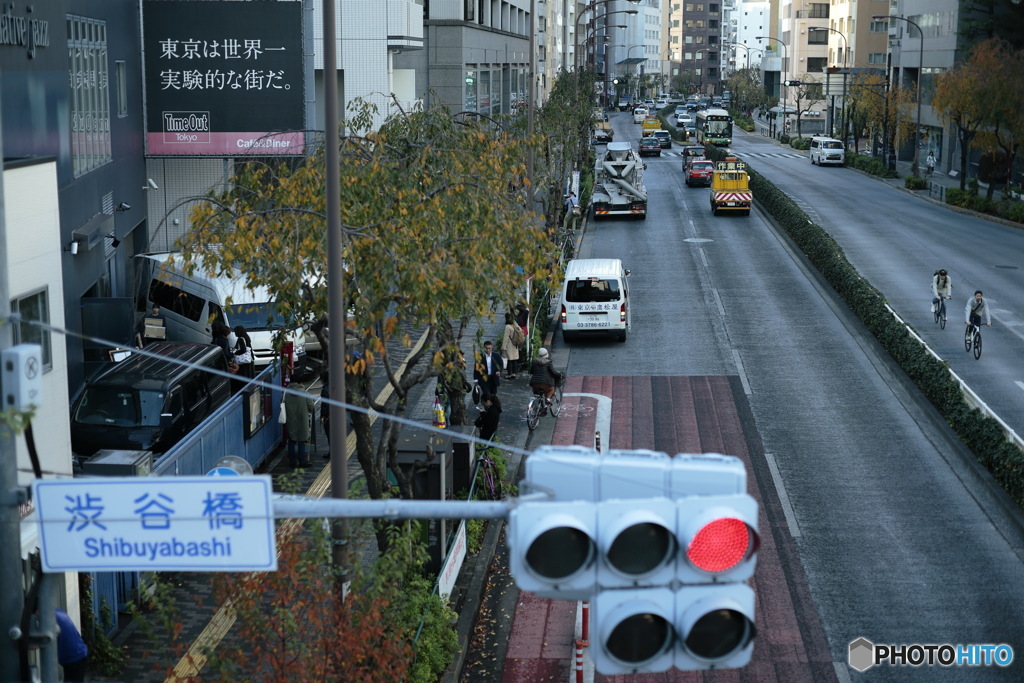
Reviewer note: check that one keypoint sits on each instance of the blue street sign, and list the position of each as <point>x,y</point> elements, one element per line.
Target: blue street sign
<point>222,472</point>
<point>223,523</point>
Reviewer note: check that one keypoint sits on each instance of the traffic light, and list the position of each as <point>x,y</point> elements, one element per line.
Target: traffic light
<point>794,83</point>
<point>660,546</point>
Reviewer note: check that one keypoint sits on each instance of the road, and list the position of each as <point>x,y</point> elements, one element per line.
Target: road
<point>900,539</point>
<point>897,242</point>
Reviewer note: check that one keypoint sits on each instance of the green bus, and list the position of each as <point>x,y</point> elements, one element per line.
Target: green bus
<point>714,126</point>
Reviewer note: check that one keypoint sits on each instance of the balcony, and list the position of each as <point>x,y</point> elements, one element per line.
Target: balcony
<point>405,25</point>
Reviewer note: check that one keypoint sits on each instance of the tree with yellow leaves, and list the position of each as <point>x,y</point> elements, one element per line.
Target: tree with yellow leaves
<point>435,230</point>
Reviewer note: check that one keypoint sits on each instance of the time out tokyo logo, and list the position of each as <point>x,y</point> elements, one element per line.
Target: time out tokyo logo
<point>186,126</point>
<point>864,654</point>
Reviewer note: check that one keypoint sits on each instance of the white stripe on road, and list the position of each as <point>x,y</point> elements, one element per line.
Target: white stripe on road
<point>741,371</point>
<point>780,488</point>
<point>603,424</point>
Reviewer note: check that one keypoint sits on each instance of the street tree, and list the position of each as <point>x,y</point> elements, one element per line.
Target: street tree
<point>958,101</point>
<point>803,96</point>
<point>435,231</point>
<point>748,91</point>
<point>888,108</point>
<point>999,66</point>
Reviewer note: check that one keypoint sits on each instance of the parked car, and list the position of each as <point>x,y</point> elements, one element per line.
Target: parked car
<point>664,138</point>
<point>699,172</point>
<point>650,145</point>
<point>639,114</point>
<point>149,402</point>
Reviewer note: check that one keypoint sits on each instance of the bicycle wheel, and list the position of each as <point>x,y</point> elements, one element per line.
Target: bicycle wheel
<point>977,344</point>
<point>936,312</point>
<point>533,412</point>
<point>556,402</point>
<point>942,315</point>
<point>491,491</point>
<point>968,338</point>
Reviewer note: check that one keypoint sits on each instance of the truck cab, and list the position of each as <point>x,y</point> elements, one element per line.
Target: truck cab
<point>730,187</point>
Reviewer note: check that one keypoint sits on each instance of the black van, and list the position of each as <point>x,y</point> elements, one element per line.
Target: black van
<point>146,403</point>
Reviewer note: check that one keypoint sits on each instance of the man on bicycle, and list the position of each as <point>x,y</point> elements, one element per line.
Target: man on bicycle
<point>977,307</point>
<point>942,288</point>
<point>544,377</point>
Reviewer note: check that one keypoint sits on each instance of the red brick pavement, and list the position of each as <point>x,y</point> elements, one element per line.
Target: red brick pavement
<point>685,415</point>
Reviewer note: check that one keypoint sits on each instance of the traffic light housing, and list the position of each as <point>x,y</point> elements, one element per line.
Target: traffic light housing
<point>660,545</point>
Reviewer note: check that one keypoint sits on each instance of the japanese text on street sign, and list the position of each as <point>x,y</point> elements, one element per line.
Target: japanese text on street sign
<point>156,523</point>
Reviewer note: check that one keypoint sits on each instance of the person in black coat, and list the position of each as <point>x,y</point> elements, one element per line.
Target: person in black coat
<point>487,423</point>
<point>487,369</point>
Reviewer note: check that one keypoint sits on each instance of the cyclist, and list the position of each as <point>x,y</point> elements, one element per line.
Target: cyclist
<point>976,307</point>
<point>942,288</point>
<point>544,377</point>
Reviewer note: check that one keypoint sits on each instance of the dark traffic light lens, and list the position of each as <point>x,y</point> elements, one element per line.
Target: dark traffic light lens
<point>639,638</point>
<point>560,553</point>
<point>641,548</point>
<point>718,634</point>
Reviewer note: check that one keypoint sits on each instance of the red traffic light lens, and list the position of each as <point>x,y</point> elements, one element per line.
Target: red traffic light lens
<point>720,545</point>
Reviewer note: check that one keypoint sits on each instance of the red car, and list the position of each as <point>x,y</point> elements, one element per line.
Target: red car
<point>698,172</point>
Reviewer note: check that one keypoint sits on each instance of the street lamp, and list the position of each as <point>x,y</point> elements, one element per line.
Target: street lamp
<point>734,45</point>
<point>846,54</point>
<point>784,71</point>
<point>920,75</point>
<point>592,35</point>
<point>590,8</point>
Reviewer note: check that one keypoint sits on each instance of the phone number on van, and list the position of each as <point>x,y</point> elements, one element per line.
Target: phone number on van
<point>594,325</point>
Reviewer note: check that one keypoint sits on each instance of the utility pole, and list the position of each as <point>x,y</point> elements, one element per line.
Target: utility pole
<point>336,307</point>
<point>12,599</point>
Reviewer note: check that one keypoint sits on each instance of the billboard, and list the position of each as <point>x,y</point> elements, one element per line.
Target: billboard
<point>223,78</point>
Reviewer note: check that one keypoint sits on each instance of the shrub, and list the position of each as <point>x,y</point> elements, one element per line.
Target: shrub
<point>980,204</point>
<point>957,197</point>
<point>800,143</point>
<point>784,139</point>
<point>1016,212</point>
<point>869,165</point>
<point>912,183</point>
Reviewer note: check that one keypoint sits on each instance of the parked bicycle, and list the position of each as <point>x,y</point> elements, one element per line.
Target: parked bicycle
<point>972,339</point>
<point>538,407</point>
<point>488,476</point>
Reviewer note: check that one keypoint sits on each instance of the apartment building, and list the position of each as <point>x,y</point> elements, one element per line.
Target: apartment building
<point>701,45</point>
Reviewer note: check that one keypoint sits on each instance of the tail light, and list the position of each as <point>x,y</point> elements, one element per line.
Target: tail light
<point>563,314</point>
<point>622,313</point>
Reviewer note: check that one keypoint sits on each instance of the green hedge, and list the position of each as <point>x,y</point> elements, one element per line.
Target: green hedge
<point>800,143</point>
<point>981,434</point>
<point>869,164</point>
<point>970,199</point>
<point>912,183</point>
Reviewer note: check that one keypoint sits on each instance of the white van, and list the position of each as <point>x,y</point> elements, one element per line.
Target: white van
<point>827,151</point>
<point>191,303</point>
<point>595,299</point>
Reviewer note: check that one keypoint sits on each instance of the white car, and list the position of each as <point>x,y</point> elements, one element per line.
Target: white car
<point>639,114</point>
<point>661,104</point>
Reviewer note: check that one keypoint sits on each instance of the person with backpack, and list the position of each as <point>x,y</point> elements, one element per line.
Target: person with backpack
<point>942,288</point>
<point>511,341</point>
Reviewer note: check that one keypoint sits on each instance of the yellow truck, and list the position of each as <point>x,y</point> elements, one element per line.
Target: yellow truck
<point>730,187</point>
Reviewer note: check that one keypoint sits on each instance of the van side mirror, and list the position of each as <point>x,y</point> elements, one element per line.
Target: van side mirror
<point>627,272</point>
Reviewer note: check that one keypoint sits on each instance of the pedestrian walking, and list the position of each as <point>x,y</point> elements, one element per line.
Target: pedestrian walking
<point>243,353</point>
<point>510,343</point>
<point>930,162</point>
<point>487,369</point>
<point>298,409</point>
<point>487,423</point>
<point>72,652</point>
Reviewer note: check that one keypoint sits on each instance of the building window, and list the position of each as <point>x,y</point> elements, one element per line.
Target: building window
<point>90,97</point>
<point>879,27</point>
<point>34,308</point>
<point>816,65</point>
<point>876,58</point>
<point>712,23</point>
<point>712,8</point>
<point>121,83</point>
<point>817,37</point>
<point>818,10</point>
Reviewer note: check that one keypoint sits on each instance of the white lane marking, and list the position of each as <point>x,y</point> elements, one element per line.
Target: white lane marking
<point>703,257</point>
<point>842,671</point>
<point>741,371</point>
<point>603,422</point>
<point>1020,384</point>
<point>780,488</point>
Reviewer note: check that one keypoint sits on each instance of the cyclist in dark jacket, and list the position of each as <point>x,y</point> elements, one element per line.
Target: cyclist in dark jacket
<point>543,376</point>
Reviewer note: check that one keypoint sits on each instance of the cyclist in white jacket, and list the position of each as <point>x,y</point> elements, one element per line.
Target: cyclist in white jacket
<point>977,307</point>
<point>942,288</point>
